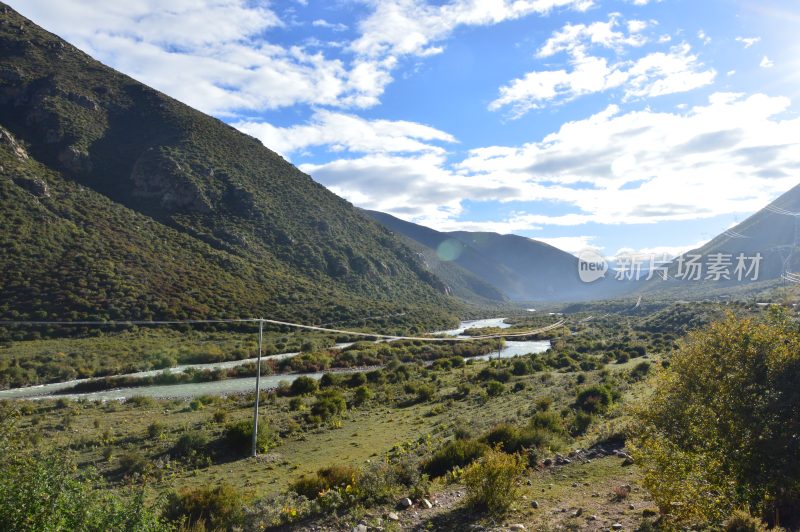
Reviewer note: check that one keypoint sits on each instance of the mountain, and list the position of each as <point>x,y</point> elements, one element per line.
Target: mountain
<point>773,233</point>
<point>520,268</point>
<point>119,202</point>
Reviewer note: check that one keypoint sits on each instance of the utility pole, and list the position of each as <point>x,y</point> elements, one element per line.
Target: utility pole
<point>258,387</point>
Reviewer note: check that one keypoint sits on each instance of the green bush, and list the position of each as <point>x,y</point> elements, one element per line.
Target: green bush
<point>156,429</point>
<point>215,508</point>
<point>133,463</point>
<point>495,388</point>
<point>330,403</point>
<point>454,453</point>
<point>194,443</point>
<point>742,521</point>
<point>512,439</point>
<point>491,482</point>
<point>362,395</point>
<point>303,386</point>
<point>594,399</point>
<point>239,436</point>
<point>725,419</point>
<point>549,421</point>
<point>40,492</point>
<point>312,486</point>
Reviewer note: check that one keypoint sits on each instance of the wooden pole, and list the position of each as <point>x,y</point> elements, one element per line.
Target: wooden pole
<point>258,388</point>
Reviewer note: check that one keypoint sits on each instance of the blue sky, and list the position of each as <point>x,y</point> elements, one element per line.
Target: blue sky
<point>615,124</point>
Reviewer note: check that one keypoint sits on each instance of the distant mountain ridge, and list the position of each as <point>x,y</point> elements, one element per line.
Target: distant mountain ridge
<point>772,233</point>
<point>119,202</point>
<point>520,268</point>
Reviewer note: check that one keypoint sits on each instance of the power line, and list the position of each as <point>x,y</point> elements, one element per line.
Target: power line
<point>281,323</point>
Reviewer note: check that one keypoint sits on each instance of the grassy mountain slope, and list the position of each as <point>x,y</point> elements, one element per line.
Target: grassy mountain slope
<point>773,232</point>
<point>120,202</point>
<point>521,268</point>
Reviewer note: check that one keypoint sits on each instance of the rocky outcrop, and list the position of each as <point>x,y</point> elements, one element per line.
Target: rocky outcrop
<point>36,186</point>
<point>75,160</point>
<point>7,139</point>
<point>158,177</point>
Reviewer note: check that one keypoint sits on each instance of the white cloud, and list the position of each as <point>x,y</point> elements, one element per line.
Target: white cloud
<point>575,38</point>
<point>409,27</point>
<point>655,74</point>
<point>732,155</point>
<point>748,41</point>
<point>571,244</point>
<point>766,62</point>
<point>347,132</point>
<point>657,253</point>
<point>322,23</point>
<point>704,38</point>
<point>412,187</point>
<point>218,55</point>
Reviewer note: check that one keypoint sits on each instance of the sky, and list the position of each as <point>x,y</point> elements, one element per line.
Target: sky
<point>615,125</point>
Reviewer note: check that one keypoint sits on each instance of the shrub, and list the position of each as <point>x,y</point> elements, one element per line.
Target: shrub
<point>491,374</point>
<point>491,482</point>
<point>329,403</point>
<point>41,492</point>
<point>218,508</point>
<point>594,399</point>
<point>550,421</point>
<point>303,386</point>
<point>312,486</point>
<point>141,401</point>
<point>190,444</point>
<point>454,453</point>
<point>239,436</point>
<point>133,463</point>
<point>328,380</point>
<point>356,379</point>
<point>543,403</point>
<point>425,392</point>
<point>495,388</point>
<point>640,371</point>
<point>580,423</point>
<point>156,429</point>
<point>520,367</point>
<point>511,439</point>
<point>361,395</point>
<point>742,521</point>
<point>725,419</point>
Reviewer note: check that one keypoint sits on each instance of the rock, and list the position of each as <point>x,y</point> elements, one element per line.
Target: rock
<point>516,526</point>
<point>548,462</point>
<point>35,186</point>
<point>616,526</point>
<point>360,528</point>
<point>592,518</point>
<point>574,484</point>
<point>427,504</point>
<point>631,507</point>
<point>8,139</point>
<point>535,504</point>
<point>577,513</point>
<point>393,517</point>
<point>405,503</point>
<point>75,160</point>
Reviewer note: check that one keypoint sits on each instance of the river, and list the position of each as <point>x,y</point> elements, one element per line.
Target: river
<point>246,384</point>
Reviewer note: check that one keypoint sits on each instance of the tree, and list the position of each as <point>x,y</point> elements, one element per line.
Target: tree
<point>722,429</point>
